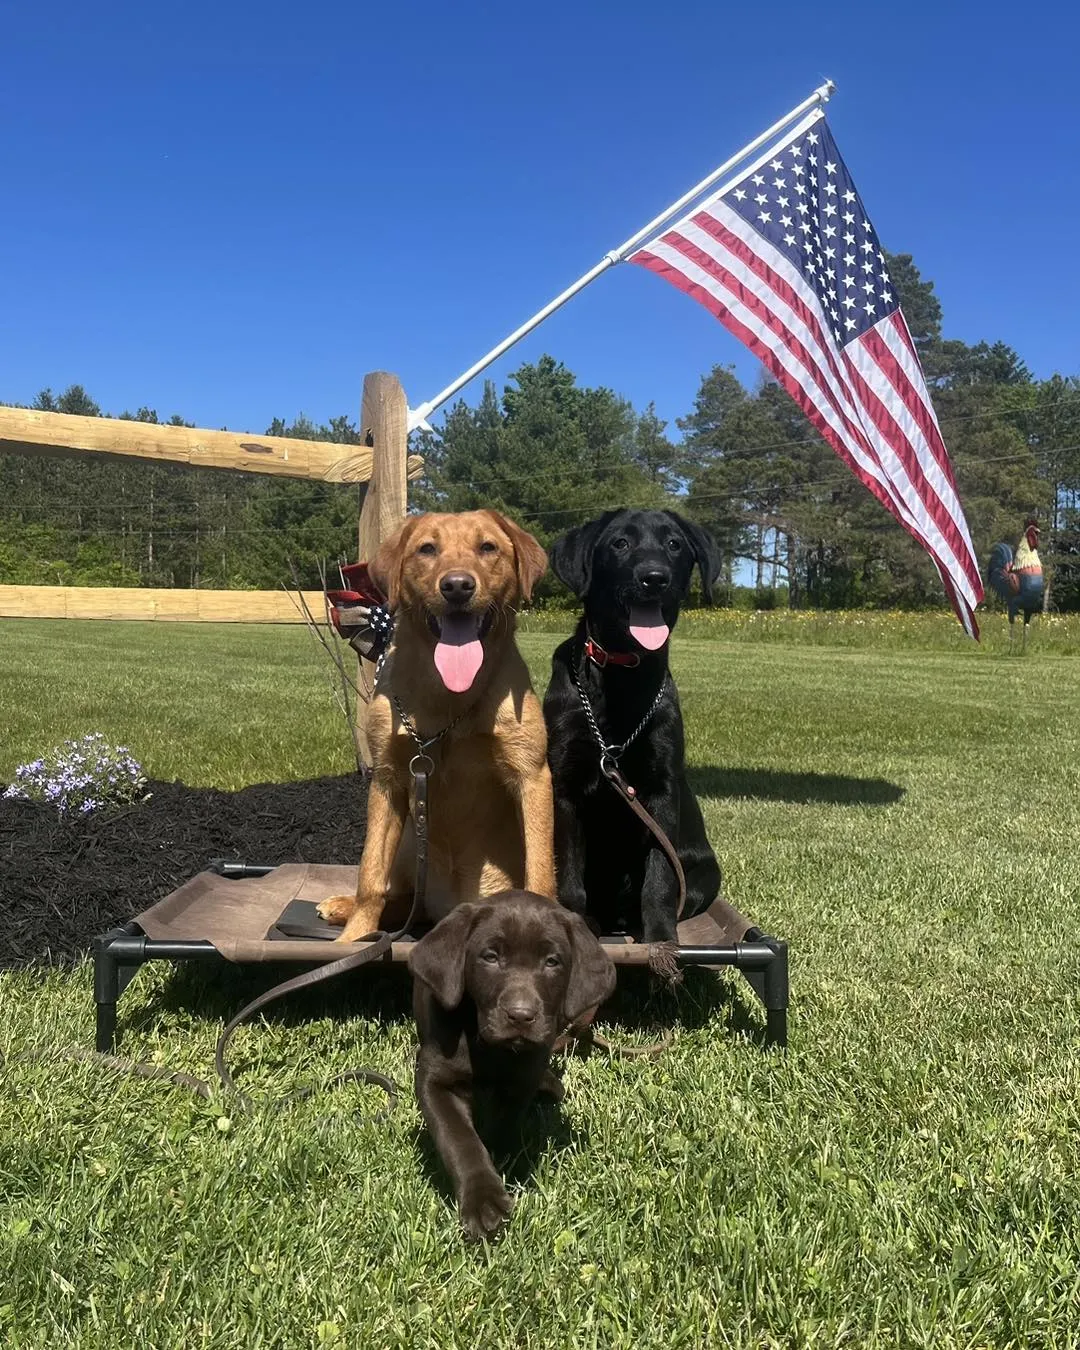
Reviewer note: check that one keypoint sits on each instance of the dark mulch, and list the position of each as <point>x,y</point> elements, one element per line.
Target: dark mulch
<point>63,882</point>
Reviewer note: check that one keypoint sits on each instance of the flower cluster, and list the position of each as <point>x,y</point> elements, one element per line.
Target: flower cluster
<point>80,776</point>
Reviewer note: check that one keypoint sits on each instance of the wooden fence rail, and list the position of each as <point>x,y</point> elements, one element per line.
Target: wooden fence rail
<point>25,431</point>
<point>135,602</point>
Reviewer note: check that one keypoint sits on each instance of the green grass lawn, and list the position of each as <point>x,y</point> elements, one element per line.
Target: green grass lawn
<point>907,1175</point>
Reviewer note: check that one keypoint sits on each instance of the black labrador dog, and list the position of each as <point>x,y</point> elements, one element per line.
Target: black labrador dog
<point>633,570</point>
<point>494,984</point>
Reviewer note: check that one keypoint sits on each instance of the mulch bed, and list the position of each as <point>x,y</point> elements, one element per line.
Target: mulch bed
<point>62,882</point>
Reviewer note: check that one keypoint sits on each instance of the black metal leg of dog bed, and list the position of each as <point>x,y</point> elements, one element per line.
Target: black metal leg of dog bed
<point>111,978</point>
<point>118,955</point>
<point>775,996</point>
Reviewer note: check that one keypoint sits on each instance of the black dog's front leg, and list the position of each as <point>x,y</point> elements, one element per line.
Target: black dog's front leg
<point>483,1201</point>
<point>660,892</point>
<point>569,854</point>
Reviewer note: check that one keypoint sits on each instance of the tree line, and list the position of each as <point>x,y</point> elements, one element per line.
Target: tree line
<point>792,521</point>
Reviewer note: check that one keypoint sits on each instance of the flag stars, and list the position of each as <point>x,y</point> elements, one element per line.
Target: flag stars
<point>765,216</point>
<point>789,239</point>
<point>830,167</point>
<point>830,230</point>
<point>868,287</point>
<point>776,165</point>
<point>849,196</point>
<point>761,198</point>
<point>886,297</point>
<point>758,179</point>
<point>740,195</point>
<point>779,184</point>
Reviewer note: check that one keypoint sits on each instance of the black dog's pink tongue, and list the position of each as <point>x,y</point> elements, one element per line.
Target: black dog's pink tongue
<point>459,653</point>
<point>647,626</point>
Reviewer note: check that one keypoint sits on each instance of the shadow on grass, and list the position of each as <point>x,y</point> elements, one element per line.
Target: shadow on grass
<point>641,1009</point>
<point>216,991</point>
<point>516,1148</point>
<point>711,780</point>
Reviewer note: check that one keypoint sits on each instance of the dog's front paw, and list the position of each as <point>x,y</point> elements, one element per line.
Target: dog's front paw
<point>485,1205</point>
<point>337,909</point>
<point>663,962</point>
<point>364,921</point>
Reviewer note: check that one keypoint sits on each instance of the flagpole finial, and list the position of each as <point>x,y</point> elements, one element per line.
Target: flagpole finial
<point>825,91</point>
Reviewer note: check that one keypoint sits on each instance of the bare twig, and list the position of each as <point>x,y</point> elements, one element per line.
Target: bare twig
<point>350,709</point>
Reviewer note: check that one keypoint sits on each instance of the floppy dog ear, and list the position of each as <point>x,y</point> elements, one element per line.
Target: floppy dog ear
<point>438,959</point>
<point>386,566</point>
<point>530,558</point>
<point>592,971</point>
<point>572,554</point>
<point>706,552</point>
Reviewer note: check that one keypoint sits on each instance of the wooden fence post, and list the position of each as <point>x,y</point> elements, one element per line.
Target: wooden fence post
<point>384,416</point>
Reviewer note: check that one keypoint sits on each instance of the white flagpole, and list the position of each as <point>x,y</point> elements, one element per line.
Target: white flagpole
<point>418,416</point>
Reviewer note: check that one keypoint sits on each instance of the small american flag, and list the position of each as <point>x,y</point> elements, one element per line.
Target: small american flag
<point>786,258</point>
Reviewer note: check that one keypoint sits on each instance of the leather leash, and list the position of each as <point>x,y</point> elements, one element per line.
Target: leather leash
<point>420,766</point>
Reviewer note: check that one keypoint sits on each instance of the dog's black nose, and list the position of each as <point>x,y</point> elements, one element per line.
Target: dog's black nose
<point>655,579</point>
<point>521,1014</point>
<point>457,587</point>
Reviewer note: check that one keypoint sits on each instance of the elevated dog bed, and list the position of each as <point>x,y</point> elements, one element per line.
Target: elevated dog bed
<point>246,913</point>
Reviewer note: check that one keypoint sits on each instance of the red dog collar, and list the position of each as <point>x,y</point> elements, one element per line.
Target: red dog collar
<point>599,657</point>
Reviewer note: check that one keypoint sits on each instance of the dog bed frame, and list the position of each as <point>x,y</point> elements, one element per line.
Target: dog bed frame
<point>247,913</point>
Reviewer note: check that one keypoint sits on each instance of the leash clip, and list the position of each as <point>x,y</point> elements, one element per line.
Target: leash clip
<point>427,760</point>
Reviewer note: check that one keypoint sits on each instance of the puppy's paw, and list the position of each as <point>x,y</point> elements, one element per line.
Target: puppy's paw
<point>337,909</point>
<point>551,1085</point>
<point>485,1205</point>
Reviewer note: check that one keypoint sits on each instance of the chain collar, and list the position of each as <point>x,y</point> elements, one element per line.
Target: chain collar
<point>421,744</point>
<point>610,754</point>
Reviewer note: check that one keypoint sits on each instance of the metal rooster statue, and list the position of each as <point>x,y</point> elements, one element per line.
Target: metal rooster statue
<point>1019,580</point>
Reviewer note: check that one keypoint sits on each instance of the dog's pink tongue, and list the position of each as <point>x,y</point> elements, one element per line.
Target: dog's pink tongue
<point>647,627</point>
<point>459,653</point>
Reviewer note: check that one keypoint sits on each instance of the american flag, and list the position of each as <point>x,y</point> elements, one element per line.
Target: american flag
<point>786,258</point>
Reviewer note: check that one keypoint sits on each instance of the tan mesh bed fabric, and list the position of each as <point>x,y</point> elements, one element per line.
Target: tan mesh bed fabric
<point>237,916</point>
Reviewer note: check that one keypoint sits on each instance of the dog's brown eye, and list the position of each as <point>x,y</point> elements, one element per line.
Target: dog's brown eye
<point>619,544</point>
<point>428,550</point>
<point>552,962</point>
<point>674,544</point>
<point>491,957</point>
<point>488,547</point>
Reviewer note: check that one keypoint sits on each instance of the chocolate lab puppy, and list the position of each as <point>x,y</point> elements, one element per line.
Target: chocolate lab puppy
<point>494,984</point>
<point>633,570</point>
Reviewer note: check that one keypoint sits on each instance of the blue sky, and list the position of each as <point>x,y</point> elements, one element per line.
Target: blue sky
<point>233,211</point>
